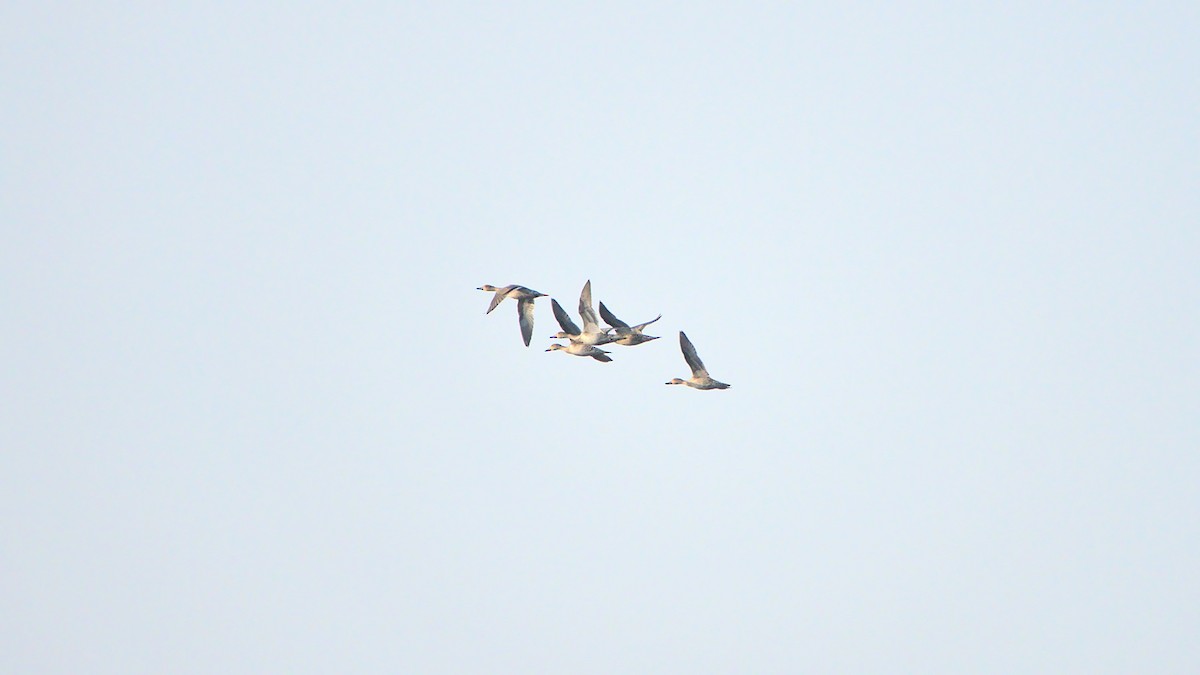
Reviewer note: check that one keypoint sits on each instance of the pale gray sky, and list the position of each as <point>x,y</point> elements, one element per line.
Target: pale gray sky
<point>256,420</point>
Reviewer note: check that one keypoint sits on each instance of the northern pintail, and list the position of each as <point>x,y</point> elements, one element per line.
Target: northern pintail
<point>524,297</point>
<point>591,333</point>
<point>581,349</point>
<point>700,378</point>
<point>627,335</point>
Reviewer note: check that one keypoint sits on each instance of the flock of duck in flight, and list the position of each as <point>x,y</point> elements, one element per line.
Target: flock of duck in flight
<point>586,342</point>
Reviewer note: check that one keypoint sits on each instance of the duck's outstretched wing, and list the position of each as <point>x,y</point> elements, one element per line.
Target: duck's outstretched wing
<point>613,321</point>
<point>638,328</point>
<point>564,319</point>
<point>525,316</point>
<point>500,293</point>
<point>690,355</point>
<point>586,312</point>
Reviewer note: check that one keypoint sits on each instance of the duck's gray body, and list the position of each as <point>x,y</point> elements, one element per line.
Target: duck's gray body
<point>581,349</point>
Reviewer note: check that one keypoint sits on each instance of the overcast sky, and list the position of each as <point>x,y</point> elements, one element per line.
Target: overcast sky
<point>255,419</point>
